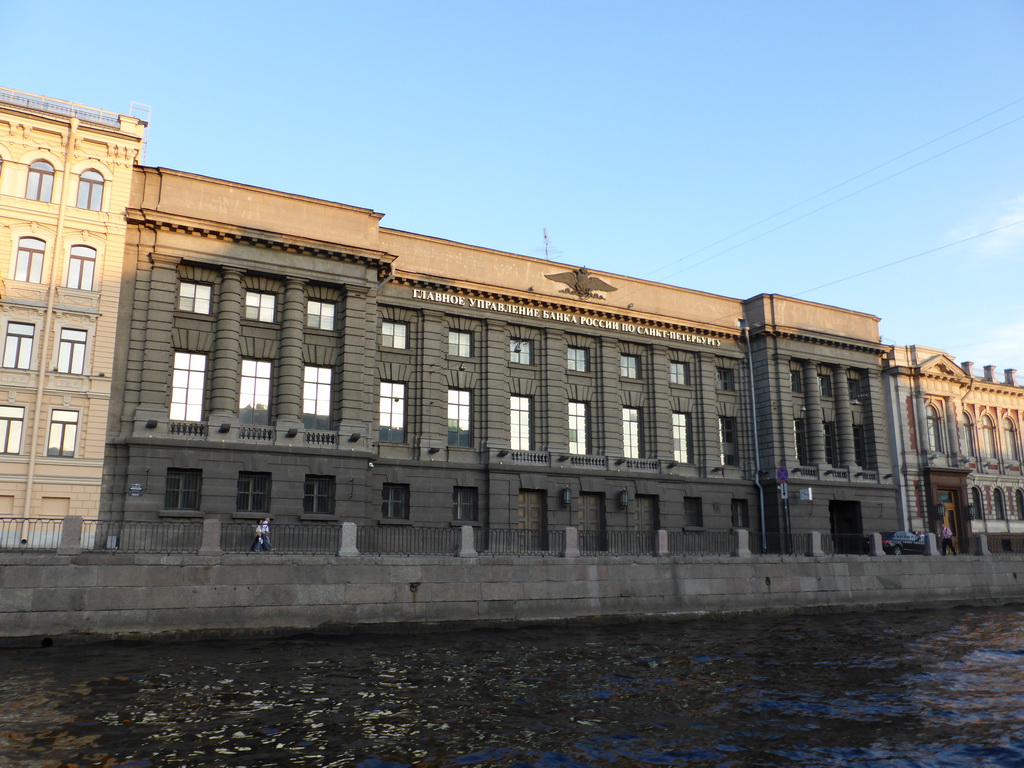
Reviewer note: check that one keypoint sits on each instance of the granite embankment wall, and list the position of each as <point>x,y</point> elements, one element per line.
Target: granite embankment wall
<point>88,597</point>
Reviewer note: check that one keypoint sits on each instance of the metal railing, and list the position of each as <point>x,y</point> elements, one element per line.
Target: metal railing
<point>20,535</point>
<point>407,540</point>
<point>293,539</point>
<point>845,543</point>
<point>137,537</point>
<point>701,542</point>
<point>518,541</point>
<point>618,542</point>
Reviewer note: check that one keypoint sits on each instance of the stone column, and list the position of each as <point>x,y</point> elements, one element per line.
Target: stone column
<point>158,322</point>
<point>290,376</point>
<point>844,416</point>
<point>358,376</point>
<point>813,425</point>
<point>952,432</point>
<point>707,446</point>
<point>227,351</point>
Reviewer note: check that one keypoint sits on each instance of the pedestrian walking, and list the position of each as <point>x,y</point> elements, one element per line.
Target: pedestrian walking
<point>947,540</point>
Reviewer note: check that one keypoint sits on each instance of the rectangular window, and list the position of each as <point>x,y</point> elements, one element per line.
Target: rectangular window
<point>194,297</point>
<point>187,386</point>
<point>800,438</point>
<point>259,306</point>
<point>831,443</point>
<point>394,335</point>
<point>460,344</point>
<point>71,351</point>
<point>12,424</point>
<point>681,438</point>
<point>856,386</point>
<point>825,384</point>
<point>254,393</point>
<point>28,265</point>
<point>253,492</point>
<point>521,351</point>
<point>631,438</point>
<point>727,438</point>
<point>740,513</point>
<point>578,359</point>
<point>464,504</point>
<point>18,345</point>
<point>318,495</point>
<point>725,379</point>
<point>316,397</point>
<point>459,434</point>
<point>679,373</point>
<point>578,440</point>
<point>693,512</point>
<point>394,502</point>
<point>522,434</point>
<point>63,433</point>
<point>320,314</point>
<point>860,445</point>
<point>629,366</point>
<point>182,489</point>
<point>392,412</point>
<point>796,380</point>
<point>81,267</point>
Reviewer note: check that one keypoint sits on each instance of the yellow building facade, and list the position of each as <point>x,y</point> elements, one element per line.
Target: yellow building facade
<point>65,177</point>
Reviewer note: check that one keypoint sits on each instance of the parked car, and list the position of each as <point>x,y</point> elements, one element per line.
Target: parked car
<point>903,543</point>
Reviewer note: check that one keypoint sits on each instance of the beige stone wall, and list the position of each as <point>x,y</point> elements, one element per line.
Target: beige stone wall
<point>34,129</point>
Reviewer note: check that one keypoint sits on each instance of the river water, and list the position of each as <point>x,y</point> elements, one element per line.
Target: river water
<point>936,688</point>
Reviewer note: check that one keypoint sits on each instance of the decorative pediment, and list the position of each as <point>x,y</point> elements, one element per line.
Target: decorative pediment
<point>943,365</point>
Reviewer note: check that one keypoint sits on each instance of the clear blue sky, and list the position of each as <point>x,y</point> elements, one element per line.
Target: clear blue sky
<point>730,146</point>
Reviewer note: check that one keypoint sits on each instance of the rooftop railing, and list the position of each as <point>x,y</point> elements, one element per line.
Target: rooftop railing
<point>59,107</point>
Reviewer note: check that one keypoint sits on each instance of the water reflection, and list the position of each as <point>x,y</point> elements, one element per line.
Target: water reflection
<point>898,689</point>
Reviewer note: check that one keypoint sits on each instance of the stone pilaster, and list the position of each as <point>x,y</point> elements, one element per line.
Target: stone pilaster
<point>844,416</point>
<point>290,375</point>
<point>227,353</point>
<point>813,425</point>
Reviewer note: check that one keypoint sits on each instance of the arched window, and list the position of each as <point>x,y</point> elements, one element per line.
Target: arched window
<point>81,267</point>
<point>90,191</point>
<point>1011,446</point>
<point>40,181</point>
<point>977,508</point>
<point>28,265</point>
<point>934,429</point>
<point>1018,507</point>
<point>970,436</point>
<point>997,504</point>
<point>988,437</point>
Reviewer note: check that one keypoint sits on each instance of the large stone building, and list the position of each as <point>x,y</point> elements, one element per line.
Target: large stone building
<point>285,355</point>
<point>959,443</point>
<point>65,175</point>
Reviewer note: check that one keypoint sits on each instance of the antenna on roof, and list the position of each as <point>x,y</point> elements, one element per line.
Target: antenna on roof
<point>548,250</point>
<point>142,112</point>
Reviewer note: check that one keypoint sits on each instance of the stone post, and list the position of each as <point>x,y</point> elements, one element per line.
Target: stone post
<point>876,545</point>
<point>979,545</point>
<point>572,542</point>
<point>741,543</point>
<point>70,536</point>
<point>931,544</point>
<point>467,547</point>
<point>814,547</point>
<point>661,543</point>
<point>210,546</point>
<point>348,540</point>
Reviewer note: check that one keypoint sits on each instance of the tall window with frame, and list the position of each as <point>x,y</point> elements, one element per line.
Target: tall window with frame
<point>521,351</point>
<point>18,345</point>
<point>740,513</point>
<point>81,267</point>
<point>316,397</point>
<point>459,405</point>
<point>825,384</point>
<point>629,366</point>
<point>12,425</point>
<point>860,445</point>
<point>392,412</point>
<point>394,335</point>
<point>63,433</point>
<point>796,380</point>
<point>970,436</point>
<point>394,504</point>
<point>318,495</point>
<point>182,489</point>
<point>254,393</point>
<point>578,359</point>
<point>521,411</point>
<point>800,440</point>
<point>71,350</point>
<point>28,262</point>
<point>90,191</point>
<point>727,439</point>
<point>681,443</point>
<point>935,442</point>
<point>260,306</point>
<point>253,492</point>
<point>1010,443</point>
<point>632,443</point>
<point>693,512</point>
<point>320,314</point>
<point>460,343</point>
<point>679,373</point>
<point>831,443</point>
<point>1018,505</point>
<point>188,385</point>
<point>579,440</point>
<point>195,297</point>
<point>40,182</point>
<point>988,438</point>
<point>725,379</point>
<point>464,508</point>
